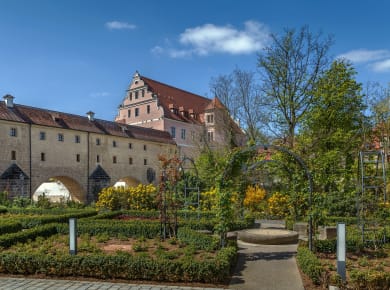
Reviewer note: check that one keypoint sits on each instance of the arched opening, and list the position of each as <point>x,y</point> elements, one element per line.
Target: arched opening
<point>127,182</point>
<point>60,188</point>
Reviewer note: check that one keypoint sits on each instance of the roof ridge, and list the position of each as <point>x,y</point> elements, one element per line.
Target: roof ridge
<point>176,88</point>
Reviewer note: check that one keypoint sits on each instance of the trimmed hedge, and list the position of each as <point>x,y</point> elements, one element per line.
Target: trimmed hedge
<point>309,264</point>
<point>198,240</point>
<point>115,228</point>
<point>32,221</point>
<point>8,226</point>
<point>8,240</point>
<point>121,266</point>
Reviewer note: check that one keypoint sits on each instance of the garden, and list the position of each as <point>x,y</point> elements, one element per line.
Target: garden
<point>167,234</point>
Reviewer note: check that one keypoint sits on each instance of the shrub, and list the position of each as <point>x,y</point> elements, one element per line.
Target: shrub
<point>198,240</point>
<point>253,197</point>
<point>278,205</point>
<point>309,264</point>
<point>10,239</point>
<point>9,226</point>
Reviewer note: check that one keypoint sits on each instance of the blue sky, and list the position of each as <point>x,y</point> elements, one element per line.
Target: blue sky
<point>76,56</point>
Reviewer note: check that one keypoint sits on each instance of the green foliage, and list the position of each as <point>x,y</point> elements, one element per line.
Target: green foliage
<point>43,202</point>
<point>331,136</point>
<point>9,226</point>
<point>32,221</point>
<point>198,240</point>
<point>115,228</point>
<point>4,198</point>
<point>369,279</point>
<point>10,239</point>
<point>3,209</point>
<point>309,264</point>
<point>21,202</point>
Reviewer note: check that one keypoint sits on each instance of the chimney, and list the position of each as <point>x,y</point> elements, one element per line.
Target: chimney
<point>91,115</point>
<point>9,101</point>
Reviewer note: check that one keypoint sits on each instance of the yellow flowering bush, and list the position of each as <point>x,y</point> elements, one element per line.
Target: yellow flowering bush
<point>141,197</point>
<point>112,198</point>
<point>253,197</point>
<point>278,205</point>
<point>208,199</point>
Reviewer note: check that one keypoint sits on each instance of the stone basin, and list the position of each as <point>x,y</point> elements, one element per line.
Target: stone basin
<point>268,236</point>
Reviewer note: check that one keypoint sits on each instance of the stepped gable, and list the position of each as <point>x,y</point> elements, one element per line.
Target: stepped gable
<point>169,95</point>
<point>215,104</point>
<point>43,117</point>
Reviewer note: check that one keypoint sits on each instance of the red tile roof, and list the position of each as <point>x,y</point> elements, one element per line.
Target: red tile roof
<point>177,98</point>
<point>43,117</point>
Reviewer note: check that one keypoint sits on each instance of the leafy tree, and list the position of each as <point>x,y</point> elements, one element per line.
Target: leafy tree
<point>290,68</point>
<point>331,136</point>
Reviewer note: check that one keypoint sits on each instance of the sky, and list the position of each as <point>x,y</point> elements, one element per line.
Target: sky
<point>76,56</point>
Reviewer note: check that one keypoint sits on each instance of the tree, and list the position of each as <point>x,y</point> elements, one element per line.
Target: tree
<point>240,94</point>
<point>290,68</point>
<point>331,136</point>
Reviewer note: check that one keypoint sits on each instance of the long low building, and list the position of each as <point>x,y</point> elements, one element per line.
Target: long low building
<point>83,153</point>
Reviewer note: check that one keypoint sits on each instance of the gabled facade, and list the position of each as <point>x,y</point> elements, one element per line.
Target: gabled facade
<point>192,120</point>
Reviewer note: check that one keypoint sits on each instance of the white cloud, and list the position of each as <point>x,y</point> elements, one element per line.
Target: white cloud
<point>381,66</point>
<point>210,38</point>
<point>365,55</point>
<point>119,25</point>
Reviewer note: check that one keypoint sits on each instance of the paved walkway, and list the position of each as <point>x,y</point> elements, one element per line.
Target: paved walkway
<point>266,267</point>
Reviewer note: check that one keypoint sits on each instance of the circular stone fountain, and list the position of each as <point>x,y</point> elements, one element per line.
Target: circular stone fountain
<point>268,236</point>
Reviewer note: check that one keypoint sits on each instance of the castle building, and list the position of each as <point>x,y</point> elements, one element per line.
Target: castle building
<point>192,120</point>
<point>84,153</point>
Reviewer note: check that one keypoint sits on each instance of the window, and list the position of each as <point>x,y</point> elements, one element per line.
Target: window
<point>42,135</point>
<point>192,135</point>
<point>97,158</point>
<point>13,132</point>
<point>60,137</point>
<point>136,94</point>
<point>136,113</point>
<point>183,134</point>
<point>173,132</point>
<point>43,157</point>
<point>77,139</point>
<point>148,109</point>
<point>144,147</point>
<point>143,93</point>
<point>13,155</point>
<point>131,96</point>
<point>130,145</point>
<point>114,143</point>
<point>97,141</point>
<point>145,161</point>
<point>130,160</point>
<point>78,157</point>
<point>128,113</point>
<point>210,118</point>
<point>210,136</point>
<point>114,159</point>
